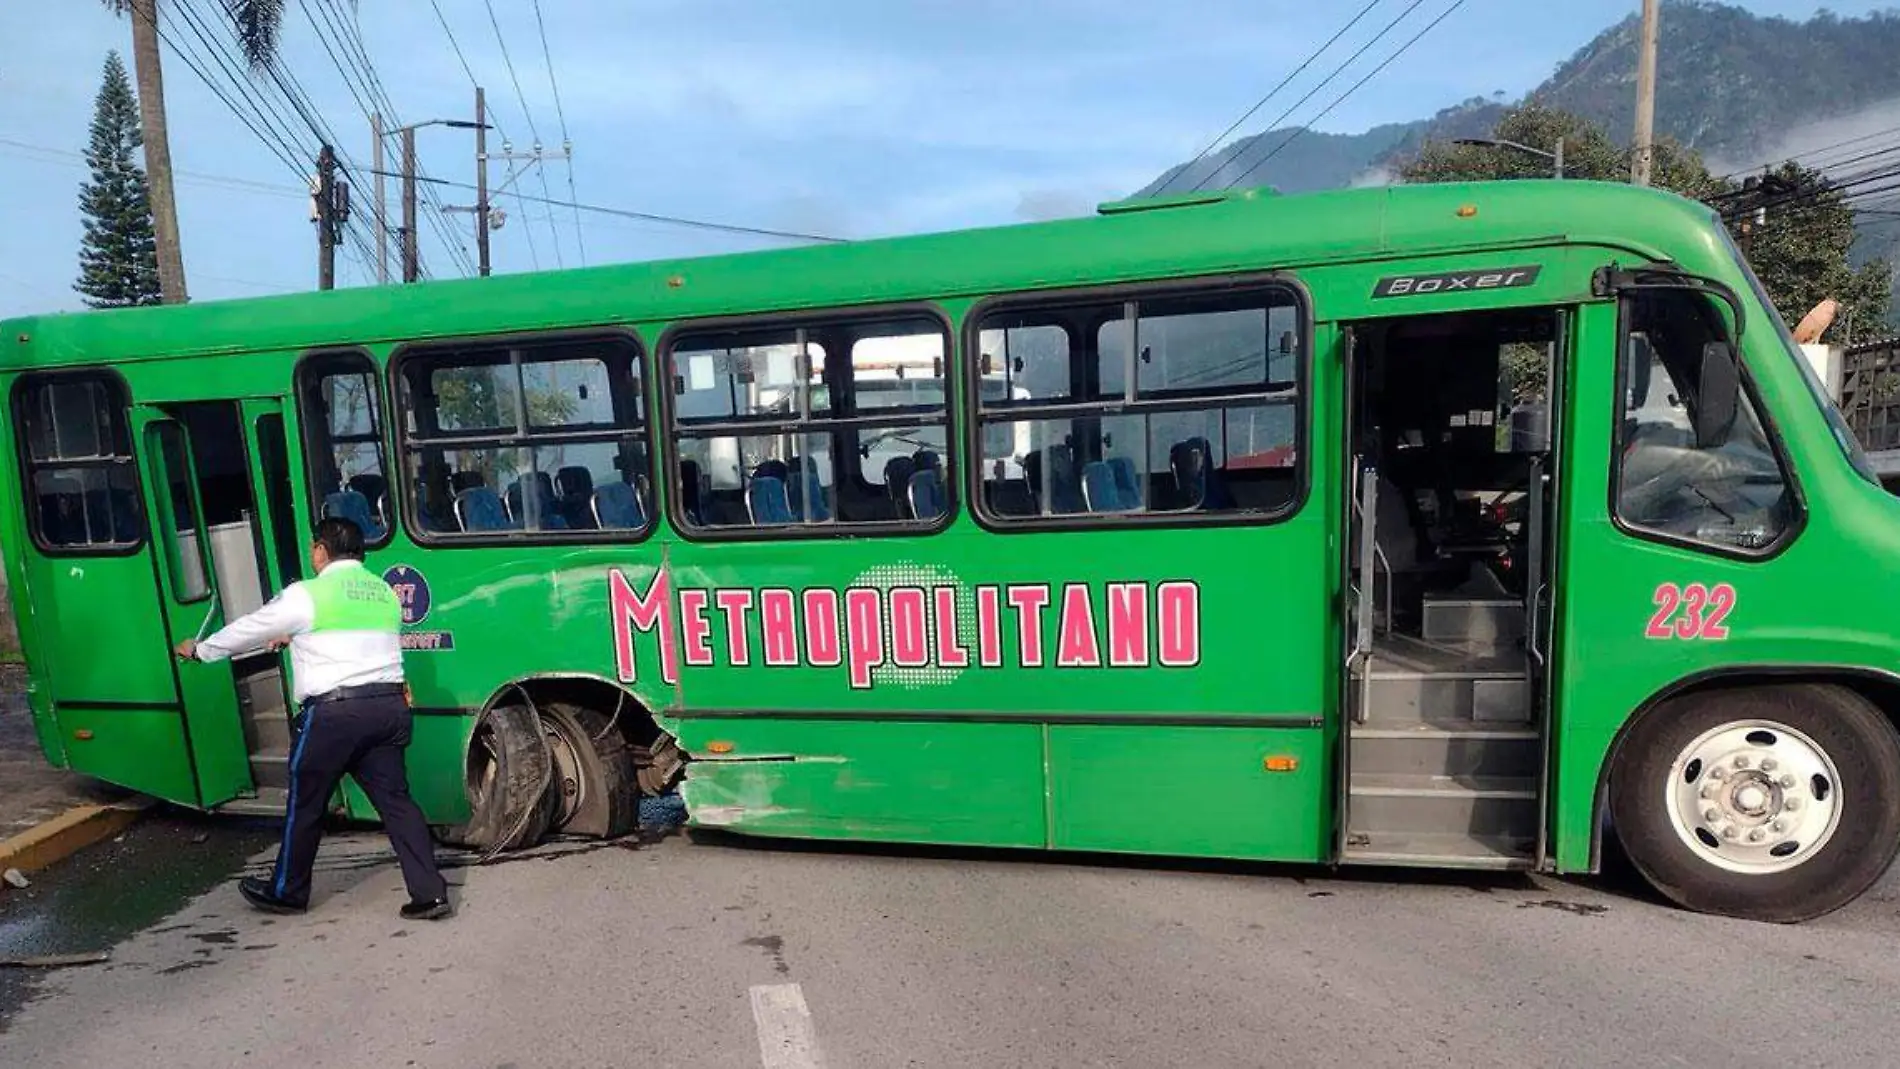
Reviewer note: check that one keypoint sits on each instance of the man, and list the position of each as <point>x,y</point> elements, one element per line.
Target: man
<point>344,632</point>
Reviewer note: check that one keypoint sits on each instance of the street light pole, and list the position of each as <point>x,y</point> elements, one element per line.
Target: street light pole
<point>411,264</point>
<point>1556,158</point>
<point>411,259</point>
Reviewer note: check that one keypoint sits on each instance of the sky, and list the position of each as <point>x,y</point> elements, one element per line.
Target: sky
<point>843,118</point>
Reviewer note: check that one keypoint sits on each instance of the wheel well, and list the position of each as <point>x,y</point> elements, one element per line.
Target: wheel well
<point>634,722</point>
<point>1880,688</point>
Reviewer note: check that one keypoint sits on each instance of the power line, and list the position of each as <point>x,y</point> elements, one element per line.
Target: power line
<point>1327,110</point>
<point>522,98</point>
<point>1311,93</point>
<point>567,143</point>
<point>357,50</point>
<point>670,220</point>
<point>1258,104</point>
<point>354,72</point>
<point>224,51</point>
<point>66,157</point>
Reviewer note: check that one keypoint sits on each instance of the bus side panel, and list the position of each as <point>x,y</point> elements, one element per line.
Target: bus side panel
<point>967,784</point>
<point>139,748</point>
<point>1196,791</point>
<point>108,608</point>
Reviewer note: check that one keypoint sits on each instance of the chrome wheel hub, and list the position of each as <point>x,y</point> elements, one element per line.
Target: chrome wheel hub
<point>1754,796</point>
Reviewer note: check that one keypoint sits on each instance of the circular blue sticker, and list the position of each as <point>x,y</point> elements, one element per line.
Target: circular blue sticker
<point>412,590</point>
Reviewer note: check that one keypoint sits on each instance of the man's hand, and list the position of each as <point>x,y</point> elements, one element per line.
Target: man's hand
<point>276,644</point>
<point>186,650</point>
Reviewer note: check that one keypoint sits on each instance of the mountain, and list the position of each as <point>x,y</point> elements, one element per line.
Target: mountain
<point>1740,88</point>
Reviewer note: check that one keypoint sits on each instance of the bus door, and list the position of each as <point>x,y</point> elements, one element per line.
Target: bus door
<point>188,593</point>
<point>1452,474</point>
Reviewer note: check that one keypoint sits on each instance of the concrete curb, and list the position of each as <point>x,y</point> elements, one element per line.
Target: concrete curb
<point>54,840</point>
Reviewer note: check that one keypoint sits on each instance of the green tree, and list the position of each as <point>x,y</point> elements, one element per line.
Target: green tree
<point>1800,251</point>
<point>118,257</point>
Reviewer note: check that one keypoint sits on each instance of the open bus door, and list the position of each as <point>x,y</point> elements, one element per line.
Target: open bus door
<point>189,597</point>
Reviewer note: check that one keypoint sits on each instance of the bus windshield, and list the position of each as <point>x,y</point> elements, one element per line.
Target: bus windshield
<point>1837,424</point>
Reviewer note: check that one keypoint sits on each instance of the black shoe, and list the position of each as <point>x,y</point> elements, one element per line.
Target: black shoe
<point>433,910</point>
<point>258,893</point>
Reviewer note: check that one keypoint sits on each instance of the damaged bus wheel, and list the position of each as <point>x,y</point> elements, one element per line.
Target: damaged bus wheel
<point>595,787</point>
<point>508,778</point>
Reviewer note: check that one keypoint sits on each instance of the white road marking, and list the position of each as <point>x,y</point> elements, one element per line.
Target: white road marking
<point>787,1039</point>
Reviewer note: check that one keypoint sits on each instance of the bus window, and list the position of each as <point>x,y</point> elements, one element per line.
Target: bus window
<point>773,431</point>
<point>1169,405</point>
<point>343,441</point>
<point>1721,486</point>
<point>184,555</point>
<point>545,436</point>
<point>79,465</point>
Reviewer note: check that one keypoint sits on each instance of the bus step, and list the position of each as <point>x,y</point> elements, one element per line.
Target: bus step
<point>269,732</point>
<point>1403,698</point>
<point>270,770</point>
<point>1492,621</point>
<point>1430,750</point>
<point>1444,850</point>
<point>269,802</point>
<point>1477,806</point>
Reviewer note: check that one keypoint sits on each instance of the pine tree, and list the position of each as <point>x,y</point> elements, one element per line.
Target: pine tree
<point>118,259</point>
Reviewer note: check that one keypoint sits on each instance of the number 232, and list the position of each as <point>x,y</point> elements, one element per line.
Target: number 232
<point>1691,612</point>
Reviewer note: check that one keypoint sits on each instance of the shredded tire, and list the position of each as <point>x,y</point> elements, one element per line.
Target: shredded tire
<point>509,781</point>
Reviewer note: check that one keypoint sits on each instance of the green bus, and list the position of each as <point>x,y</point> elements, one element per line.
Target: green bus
<point>1444,526</point>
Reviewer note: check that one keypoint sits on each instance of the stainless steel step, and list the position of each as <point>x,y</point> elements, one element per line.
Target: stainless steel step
<point>1402,696</point>
<point>268,733</point>
<point>1489,621</point>
<point>270,770</point>
<point>1477,806</point>
<point>1428,750</point>
<point>269,802</point>
<point>1440,851</point>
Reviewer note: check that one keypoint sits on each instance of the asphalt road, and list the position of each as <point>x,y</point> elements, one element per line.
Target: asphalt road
<point>685,953</point>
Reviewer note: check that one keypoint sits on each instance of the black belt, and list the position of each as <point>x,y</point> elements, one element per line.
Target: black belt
<point>362,690</point>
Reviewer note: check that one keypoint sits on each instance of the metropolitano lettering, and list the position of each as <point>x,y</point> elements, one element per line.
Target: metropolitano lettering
<point>1134,624</point>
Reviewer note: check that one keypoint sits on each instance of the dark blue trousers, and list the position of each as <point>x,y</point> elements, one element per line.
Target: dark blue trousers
<point>364,737</point>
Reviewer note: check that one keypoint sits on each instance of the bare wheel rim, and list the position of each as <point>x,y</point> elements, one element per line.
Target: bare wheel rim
<point>570,778</point>
<point>1754,797</point>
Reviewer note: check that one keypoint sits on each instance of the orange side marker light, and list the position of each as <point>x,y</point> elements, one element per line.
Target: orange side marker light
<point>1282,763</point>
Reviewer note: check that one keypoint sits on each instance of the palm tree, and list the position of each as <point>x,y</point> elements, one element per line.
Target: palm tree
<point>256,24</point>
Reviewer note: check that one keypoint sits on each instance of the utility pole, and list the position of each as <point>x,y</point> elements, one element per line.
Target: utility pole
<point>1645,95</point>
<point>410,266</point>
<point>324,208</point>
<point>382,204</point>
<point>481,180</point>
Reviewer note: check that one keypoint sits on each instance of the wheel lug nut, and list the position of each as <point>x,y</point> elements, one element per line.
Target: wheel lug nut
<point>1713,816</point>
<point>1741,760</point>
<point>1792,804</point>
<point>1708,790</point>
<point>1755,836</point>
<point>1787,782</point>
<point>1778,826</point>
<point>1768,764</point>
<point>1729,833</point>
<point>1718,774</point>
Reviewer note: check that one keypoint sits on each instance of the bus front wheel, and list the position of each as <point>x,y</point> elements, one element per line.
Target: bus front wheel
<point>1775,803</point>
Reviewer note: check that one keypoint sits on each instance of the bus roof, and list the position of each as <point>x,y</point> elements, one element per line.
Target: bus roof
<point>1166,237</point>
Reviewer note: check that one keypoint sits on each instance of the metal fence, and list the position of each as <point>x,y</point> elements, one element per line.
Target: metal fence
<point>1870,393</point>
